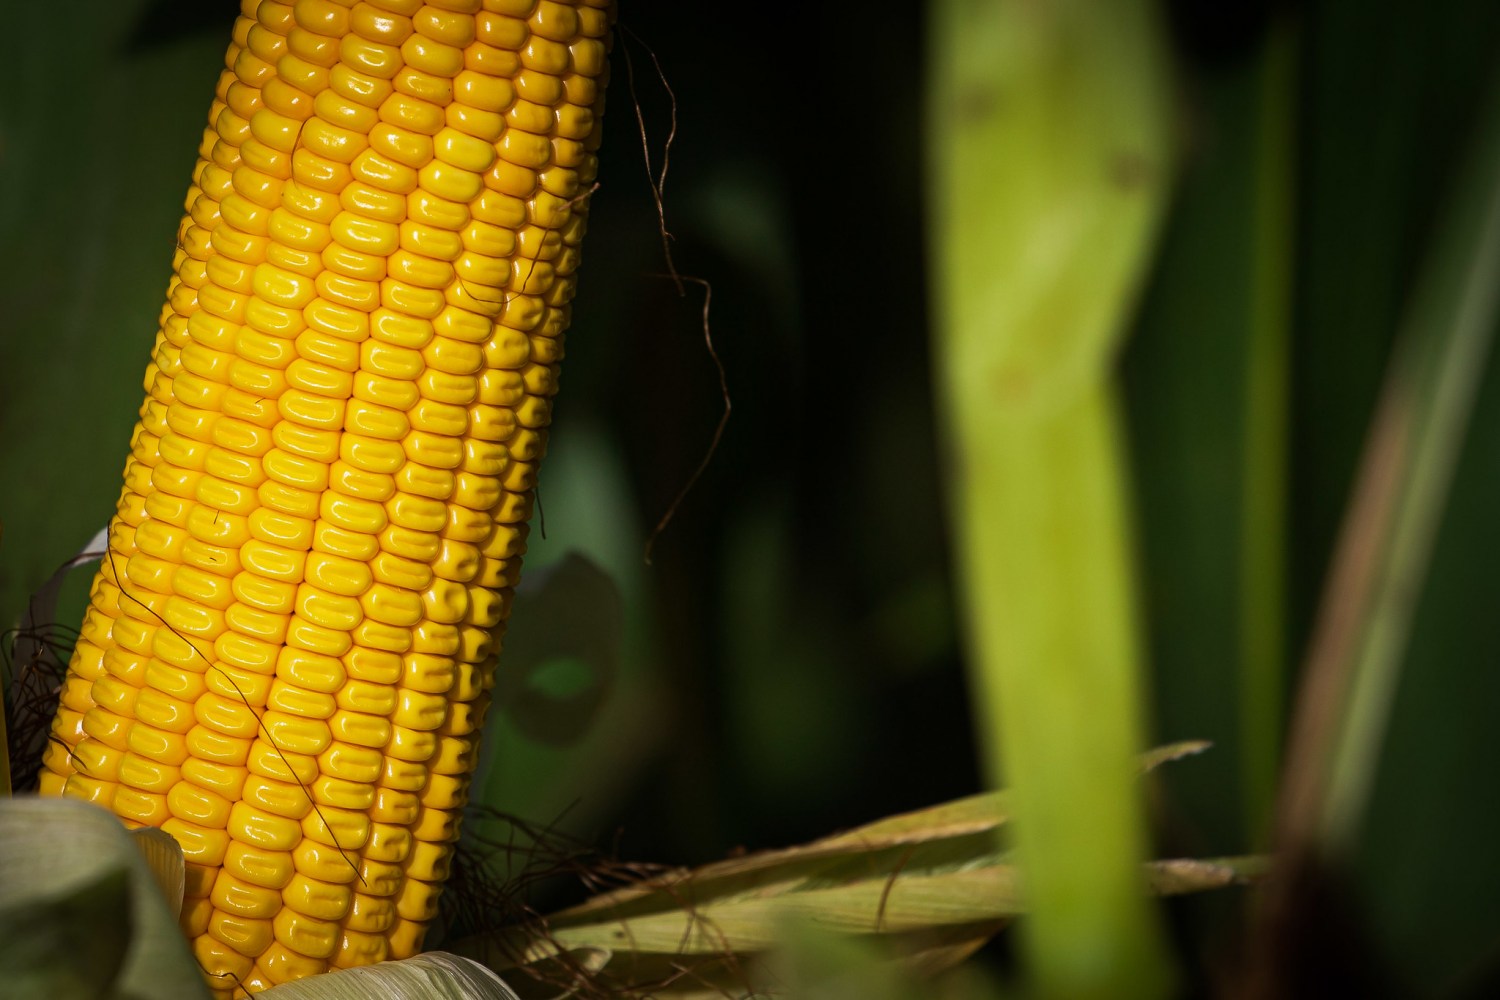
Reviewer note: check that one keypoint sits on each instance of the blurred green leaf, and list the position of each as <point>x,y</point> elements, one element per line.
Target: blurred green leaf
<point>561,665</point>
<point>1196,413</point>
<point>98,134</point>
<point>1418,431</point>
<point>1265,490</point>
<point>82,908</point>
<point>1050,160</point>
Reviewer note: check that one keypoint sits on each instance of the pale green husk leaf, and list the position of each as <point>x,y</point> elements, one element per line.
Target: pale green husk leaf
<point>435,975</point>
<point>81,912</point>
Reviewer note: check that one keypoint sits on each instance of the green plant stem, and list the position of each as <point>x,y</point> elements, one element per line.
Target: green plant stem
<point>1050,602</point>
<point>1262,625</point>
<point>1049,166</point>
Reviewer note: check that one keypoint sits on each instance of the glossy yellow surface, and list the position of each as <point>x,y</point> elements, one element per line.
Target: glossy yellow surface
<point>289,653</point>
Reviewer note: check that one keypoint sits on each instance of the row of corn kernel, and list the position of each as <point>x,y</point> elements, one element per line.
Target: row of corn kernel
<point>186,799</point>
<point>236,808</point>
<point>313,879</point>
<point>140,763</point>
<point>101,762</point>
<point>413,907</point>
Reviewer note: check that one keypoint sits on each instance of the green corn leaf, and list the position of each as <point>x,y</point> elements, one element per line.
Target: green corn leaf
<point>1050,166</point>
<point>81,914</point>
<point>1355,658</point>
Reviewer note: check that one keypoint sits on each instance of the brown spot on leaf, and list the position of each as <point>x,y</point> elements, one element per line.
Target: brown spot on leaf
<point>1011,384</point>
<point>1130,171</point>
<point>975,103</point>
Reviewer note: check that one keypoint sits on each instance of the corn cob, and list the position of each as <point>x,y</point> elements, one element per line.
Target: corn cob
<point>287,653</point>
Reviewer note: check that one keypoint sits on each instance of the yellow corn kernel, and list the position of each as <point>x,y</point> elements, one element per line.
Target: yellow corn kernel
<point>285,664</point>
<point>240,898</point>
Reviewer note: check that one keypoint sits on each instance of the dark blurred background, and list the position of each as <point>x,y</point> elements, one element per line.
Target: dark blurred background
<point>789,662</point>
